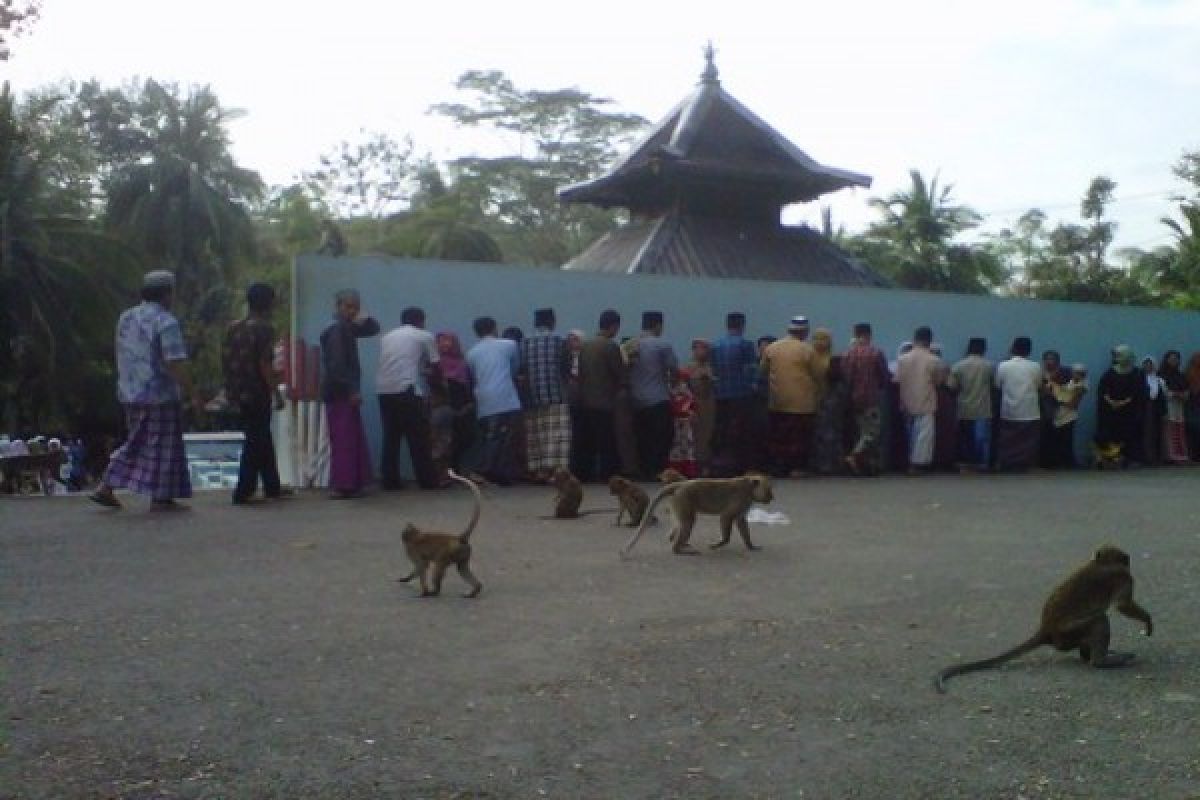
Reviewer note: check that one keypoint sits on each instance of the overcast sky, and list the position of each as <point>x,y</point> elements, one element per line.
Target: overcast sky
<point>1018,104</point>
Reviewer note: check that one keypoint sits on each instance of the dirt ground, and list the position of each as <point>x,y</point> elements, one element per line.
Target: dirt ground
<point>268,652</point>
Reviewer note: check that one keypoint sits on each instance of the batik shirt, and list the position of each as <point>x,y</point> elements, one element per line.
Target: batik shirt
<point>248,342</point>
<point>544,363</point>
<point>148,336</point>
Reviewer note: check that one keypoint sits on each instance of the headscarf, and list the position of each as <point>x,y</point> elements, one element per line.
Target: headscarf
<point>1123,359</point>
<point>822,343</point>
<point>905,347</point>
<point>1171,374</point>
<point>706,346</point>
<point>1193,374</point>
<point>452,364</point>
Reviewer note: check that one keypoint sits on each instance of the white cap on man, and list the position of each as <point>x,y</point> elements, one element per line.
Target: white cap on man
<point>798,323</point>
<point>159,279</point>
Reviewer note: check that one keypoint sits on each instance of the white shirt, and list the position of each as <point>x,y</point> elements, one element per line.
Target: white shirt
<point>1019,380</point>
<point>404,355</point>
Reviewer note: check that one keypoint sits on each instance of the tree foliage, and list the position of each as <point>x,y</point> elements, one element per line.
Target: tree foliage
<point>562,136</point>
<point>16,17</point>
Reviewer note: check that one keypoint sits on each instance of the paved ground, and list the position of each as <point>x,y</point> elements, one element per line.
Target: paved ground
<point>268,653</point>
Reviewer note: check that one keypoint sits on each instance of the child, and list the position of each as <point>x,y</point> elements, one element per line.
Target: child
<point>684,412</point>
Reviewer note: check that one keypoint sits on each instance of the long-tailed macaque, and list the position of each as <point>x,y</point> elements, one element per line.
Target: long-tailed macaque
<point>631,500</point>
<point>729,498</point>
<point>1075,616</point>
<point>671,475</point>
<point>443,549</point>
<point>569,496</point>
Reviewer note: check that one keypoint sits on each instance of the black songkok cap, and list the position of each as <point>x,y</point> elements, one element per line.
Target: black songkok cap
<point>543,317</point>
<point>735,319</point>
<point>651,319</point>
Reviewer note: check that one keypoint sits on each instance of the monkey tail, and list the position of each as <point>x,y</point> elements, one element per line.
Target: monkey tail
<point>1030,644</point>
<point>648,514</point>
<point>466,534</point>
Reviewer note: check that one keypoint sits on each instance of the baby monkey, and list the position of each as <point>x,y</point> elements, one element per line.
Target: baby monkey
<point>425,548</point>
<point>631,500</point>
<point>570,494</point>
<point>671,475</point>
<point>1075,616</point>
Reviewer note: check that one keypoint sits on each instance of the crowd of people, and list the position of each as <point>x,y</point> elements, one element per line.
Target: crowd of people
<point>521,408</point>
<point>516,407</point>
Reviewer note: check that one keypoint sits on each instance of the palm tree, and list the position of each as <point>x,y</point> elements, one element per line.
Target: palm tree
<point>919,224</point>
<point>60,280</point>
<point>185,201</point>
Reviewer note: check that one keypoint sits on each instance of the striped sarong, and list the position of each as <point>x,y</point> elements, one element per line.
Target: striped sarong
<point>548,437</point>
<point>152,460</point>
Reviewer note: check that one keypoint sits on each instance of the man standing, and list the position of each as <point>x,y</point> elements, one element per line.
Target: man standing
<point>972,377</point>
<point>734,362</point>
<point>788,365</point>
<point>250,384</point>
<point>152,374</point>
<point>865,371</point>
<point>602,375</point>
<point>1019,381</point>
<point>341,391</point>
<point>494,363</point>
<point>917,373</point>
<point>544,368</point>
<point>652,372</point>
<point>406,358</point>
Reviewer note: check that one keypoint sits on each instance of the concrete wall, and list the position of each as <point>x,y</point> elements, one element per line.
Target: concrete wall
<point>453,294</point>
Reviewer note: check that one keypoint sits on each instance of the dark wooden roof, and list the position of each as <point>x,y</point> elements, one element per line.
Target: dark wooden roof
<point>689,245</point>
<point>712,144</point>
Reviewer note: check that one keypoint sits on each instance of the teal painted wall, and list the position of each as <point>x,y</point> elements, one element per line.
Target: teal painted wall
<point>454,294</point>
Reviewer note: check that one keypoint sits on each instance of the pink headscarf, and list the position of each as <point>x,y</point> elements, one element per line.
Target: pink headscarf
<point>452,363</point>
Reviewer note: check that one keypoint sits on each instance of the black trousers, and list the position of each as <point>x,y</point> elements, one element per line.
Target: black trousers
<point>655,432</point>
<point>596,445</point>
<point>732,435</point>
<point>406,415</point>
<point>258,455</point>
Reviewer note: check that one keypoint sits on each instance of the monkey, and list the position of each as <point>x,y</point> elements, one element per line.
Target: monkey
<point>671,475</point>
<point>1075,616</point>
<point>442,549</point>
<point>570,494</point>
<point>729,498</point>
<point>632,500</point>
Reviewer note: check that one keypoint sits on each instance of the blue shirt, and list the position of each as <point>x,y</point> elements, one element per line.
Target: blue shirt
<point>148,336</point>
<point>494,364</point>
<point>650,371</point>
<point>735,362</point>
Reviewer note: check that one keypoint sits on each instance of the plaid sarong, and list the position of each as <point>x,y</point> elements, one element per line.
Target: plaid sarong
<point>548,437</point>
<point>152,460</point>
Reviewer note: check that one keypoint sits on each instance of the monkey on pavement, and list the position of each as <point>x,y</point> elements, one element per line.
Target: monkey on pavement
<point>631,500</point>
<point>728,498</point>
<point>671,475</point>
<point>570,494</point>
<point>1075,616</point>
<point>442,549</point>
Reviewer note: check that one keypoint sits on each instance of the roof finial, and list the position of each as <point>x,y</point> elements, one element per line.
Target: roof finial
<point>710,69</point>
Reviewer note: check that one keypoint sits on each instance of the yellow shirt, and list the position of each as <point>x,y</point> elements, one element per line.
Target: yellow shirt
<point>789,364</point>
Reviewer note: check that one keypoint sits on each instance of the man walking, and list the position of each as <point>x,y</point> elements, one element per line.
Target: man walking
<point>653,370</point>
<point>788,365</point>
<point>602,375</point>
<point>247,357</point>
<point>734,362</point>
<point>1019,381</point>
<point>865,371</point>
<point>972,377</point>
<point>406,358</point>
<point>152,377</point>
<point>494,363</point>
<point>544,369</point>
<point>917,375</point>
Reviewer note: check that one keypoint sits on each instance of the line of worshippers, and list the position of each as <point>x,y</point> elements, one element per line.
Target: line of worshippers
<point>516,408</point>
